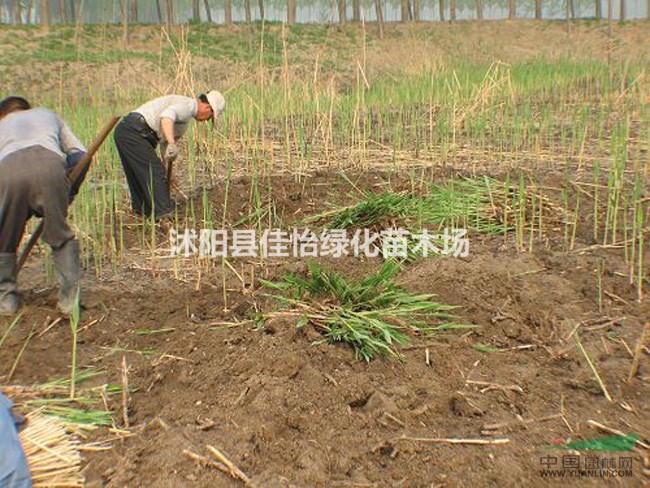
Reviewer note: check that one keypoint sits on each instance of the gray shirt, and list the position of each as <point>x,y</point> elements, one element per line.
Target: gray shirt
<point>178,108</point>
<point>37,127</point>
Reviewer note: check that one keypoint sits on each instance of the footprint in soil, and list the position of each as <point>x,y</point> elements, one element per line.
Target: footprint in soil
<point>463,407</point>
<point>289,366</point>
<point>376,402</point>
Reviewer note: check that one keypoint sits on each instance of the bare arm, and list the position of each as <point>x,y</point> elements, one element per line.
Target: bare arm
<point>68,141</point>
<point>167,126</point>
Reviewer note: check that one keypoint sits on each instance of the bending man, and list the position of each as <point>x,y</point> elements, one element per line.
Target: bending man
<point>37,152</point>
<point>161,121</point>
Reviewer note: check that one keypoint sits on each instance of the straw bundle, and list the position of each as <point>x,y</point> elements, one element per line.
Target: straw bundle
<point>51,453</point>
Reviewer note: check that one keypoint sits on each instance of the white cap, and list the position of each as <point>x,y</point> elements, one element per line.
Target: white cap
<point>217,102</point>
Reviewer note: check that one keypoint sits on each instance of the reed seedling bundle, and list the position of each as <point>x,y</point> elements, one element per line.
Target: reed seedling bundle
<point>75,414</point>
<point>52,452</point>
<point>53,399</point>
<point>53,417</point>
<point>372,315</point>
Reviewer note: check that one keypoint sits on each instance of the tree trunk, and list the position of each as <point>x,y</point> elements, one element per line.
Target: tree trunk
<point>79,18</point>
<point>46,18</point>
<point>28,14</point>
<point>538,9</point>
<point>479,9</point>
<point>380,17</point>
<point>599,10</point>
<point>452,10</point>
<point>291,11</point>
<point>512,9</point>
<point>124,19</point>
<point>17,14</point>
<point>159,12</point>
<point>196,14</point>
<point>441,9</point>
<point>135,16</point>
<point>72,9</point>
<point>610,18</point>
<point>356,11</point>
<point>416,10</point>
<point>405,11</point>
<point>343,7</point>
<point>568,16</point>
<point>170,12</point>
<point>227,12</point>
<point>208,12</point>
<point>573,10</point>
<point>249,13</point>
<point>69,11</point>
<point>262,14</point>
<point>621,14</point>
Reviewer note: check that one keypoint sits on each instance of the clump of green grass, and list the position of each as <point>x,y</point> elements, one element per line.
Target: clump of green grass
<point>480,204</point>
<point>374,209</point>
<point>470,202</point>
<point>373,315</point>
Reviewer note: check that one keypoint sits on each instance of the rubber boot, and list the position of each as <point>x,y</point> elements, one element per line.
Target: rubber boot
<point>66,267</point>
<point>8,296</point>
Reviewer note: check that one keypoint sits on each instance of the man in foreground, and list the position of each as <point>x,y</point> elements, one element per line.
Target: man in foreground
<point>37,152</point>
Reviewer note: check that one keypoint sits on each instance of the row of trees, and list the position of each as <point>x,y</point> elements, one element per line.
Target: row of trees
<point>163,11</point>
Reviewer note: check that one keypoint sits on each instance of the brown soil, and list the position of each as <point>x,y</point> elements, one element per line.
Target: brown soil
<point>291,413</point>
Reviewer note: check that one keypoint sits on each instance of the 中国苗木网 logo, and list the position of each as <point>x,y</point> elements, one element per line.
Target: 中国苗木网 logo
<point>604,444</point>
